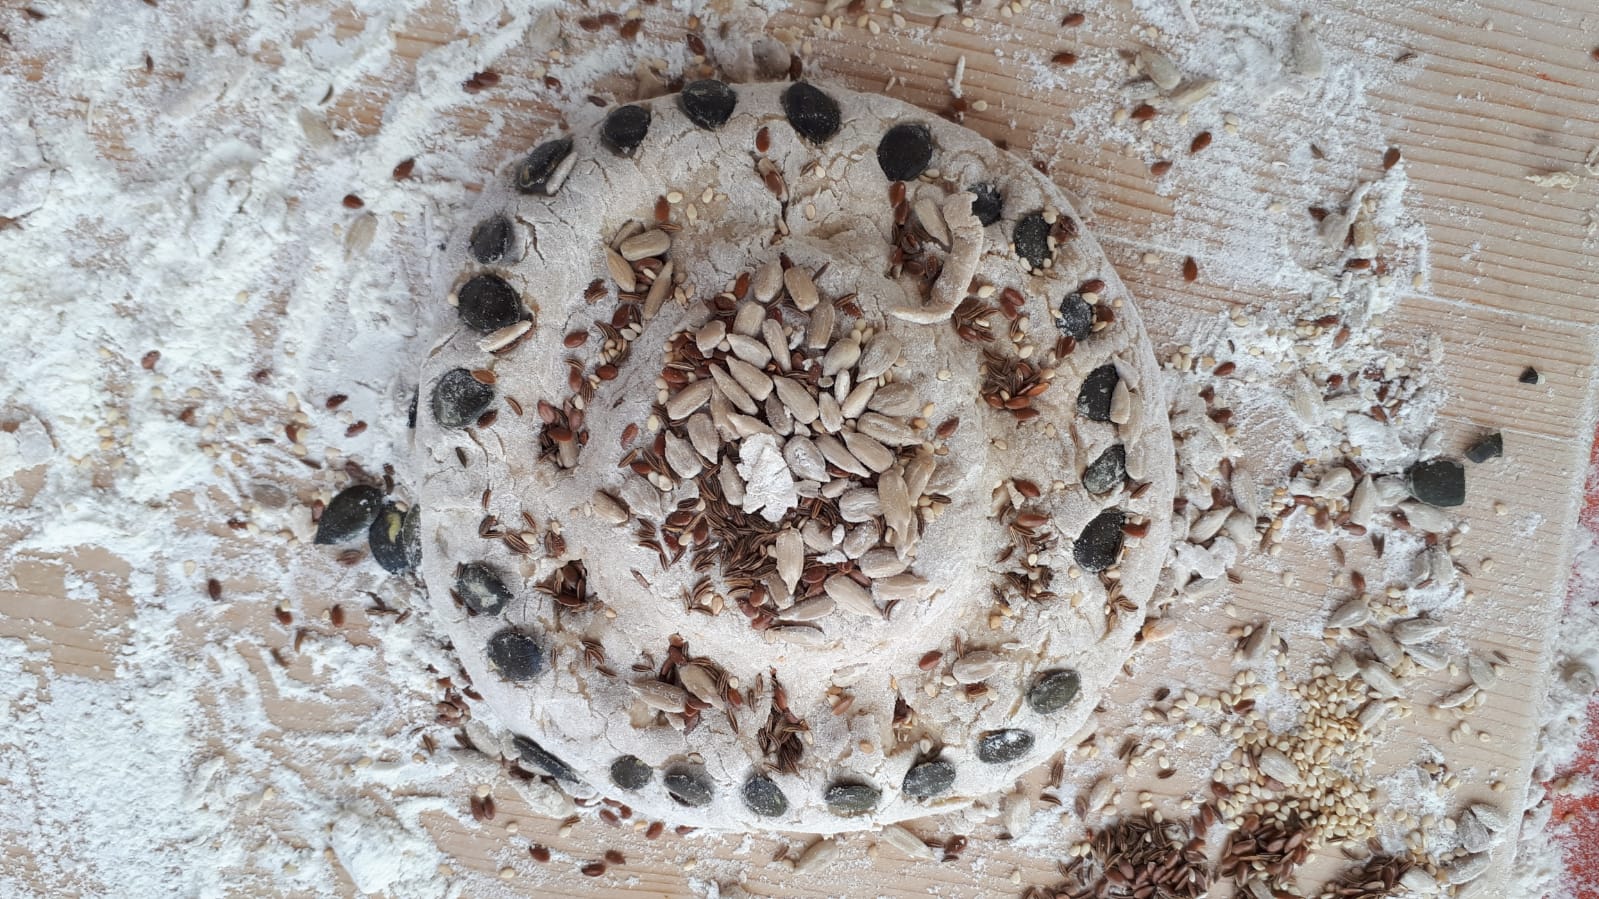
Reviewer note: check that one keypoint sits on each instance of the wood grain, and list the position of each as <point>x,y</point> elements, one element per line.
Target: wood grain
<point>1512,283</point>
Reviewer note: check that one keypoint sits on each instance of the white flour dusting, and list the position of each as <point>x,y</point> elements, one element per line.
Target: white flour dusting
<point>175,182</point>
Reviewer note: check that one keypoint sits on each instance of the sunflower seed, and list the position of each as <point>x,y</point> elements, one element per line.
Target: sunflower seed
<point>918,473</point>
<point>698,680</point>
<point>1417,630</point>
<point>841,355</point>
<point>777,342</point>
<point>790,556</point>
<point>749,320</point>
<point>906,842</point>
<point>750,350</point>
<point>1277,766</point>
<point>881,562</point>
<point>859,504</point>
<point>861,538</point>
<point>1121,404</point>
<point>746,426</point>
<point>804,459</point>
<point>1419,881</point>
<point>767,281</point>
<point>609,508</point>
<point>834,452</point>
<point>898,507</point>
<point>1345,666</point>
<point>756,383</point>
<point>1373,713</point>
<point>1427,657</point>
<point>901,586</point>
<point>799,401</point>
<point>890,431</point>
<point>1491,816</point>
<point>733,390</point>
<point>621,271</point>
<point>932,220</point>
<point>1473,834</point>
<point>504,337</point>
<point>819,332</point>
<point>710,336</point>
<point>975,667</point>
<point>1363,502</point>
<point>828,413</point>
<point>854,403</point>
<point>898,398</point>
<point>1017,814</point>
<point>732,485</point>
<point>1384,647</point>
<point>810,609</point>
<point>1377,676</point>
<point>1425,517</point>
<point>682,457</point>
<point>688,400</point>
<point>801,289</point>
<point>817,855</point>
<point>1208,525</point>
<point>1460,697</point>
<point>1246,493</point>
<point>1466,869</point>
<point>850,596</point>
<point>1351,614</point>
<point>658,290</point>
<point>660,695</point>
<point>703,435</point>
<point>1261,641</point>
<point>798,634</point>
<point>1482,672</point>
<point>879,356</point>
<point>642,246</point>
<point>1158,68</point>
<point>872,453</point>
<point>1099,794</point>
<point>1191,92</point>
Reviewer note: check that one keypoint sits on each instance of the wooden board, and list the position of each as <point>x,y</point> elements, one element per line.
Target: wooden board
<point>1513,277</point>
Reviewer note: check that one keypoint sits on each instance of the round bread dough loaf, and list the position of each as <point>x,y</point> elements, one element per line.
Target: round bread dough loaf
<point>797,460</point>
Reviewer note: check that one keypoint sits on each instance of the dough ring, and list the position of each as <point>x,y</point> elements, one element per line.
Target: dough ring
<point>797,461</point>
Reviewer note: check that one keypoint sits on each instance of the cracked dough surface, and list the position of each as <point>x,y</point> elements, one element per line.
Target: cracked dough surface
<point>839,222</point>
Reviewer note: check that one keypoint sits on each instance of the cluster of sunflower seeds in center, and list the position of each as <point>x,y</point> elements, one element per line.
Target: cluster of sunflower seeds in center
<point>807,451</point>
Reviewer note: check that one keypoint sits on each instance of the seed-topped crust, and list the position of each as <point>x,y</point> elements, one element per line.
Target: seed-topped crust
<point>795,474</point>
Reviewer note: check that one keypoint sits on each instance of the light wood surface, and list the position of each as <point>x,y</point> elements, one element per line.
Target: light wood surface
<point>1513,282</point>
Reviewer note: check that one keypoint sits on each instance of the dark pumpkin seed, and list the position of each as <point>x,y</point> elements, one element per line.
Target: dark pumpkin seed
<point>689,787</point>
<point>515,655</point>
<point>1100,544</point>
<point>482,588</point>
<point>544,760</point>
<point>998,747</point>
<point>1093,399</point>
<point>929,779</point>
<point>707,103</point>
<point>848,800</point>
<point>1054,690</point>
<point>395,539</point>
<point>987,203</point>
<point>764,797</point>
<point>459,398</point>
<point>533,175</point>
<point>1490,447</point>
<point>349,514</point>
<point>1108,472</point>
<point>905,151</point>
<point>812,114</point>
<point>491,239</point>
<point>625,128</point>
<point>486,303</point>
<point>1437,482</point>
<point>1031,238</point>
<point>1075,317</point>
<point>631,773</point>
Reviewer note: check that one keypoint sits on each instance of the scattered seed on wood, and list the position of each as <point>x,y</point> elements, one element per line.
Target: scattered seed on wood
<point>213,588</point>
<point>1190,269</point>
<point>1200,142</point>
<point>351,201</point>
<point>1143,112</point>
<point>403,170</point>
<point>1064,58</point>
<point>1073,20</point>
<point>1390,158</point>
<point>540,853</point>
<point>1160,168</point>
<point>615,857</point>
<point>150,359</point>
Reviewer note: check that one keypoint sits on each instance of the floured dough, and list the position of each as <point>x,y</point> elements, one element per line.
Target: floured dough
<point>756,485</point>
